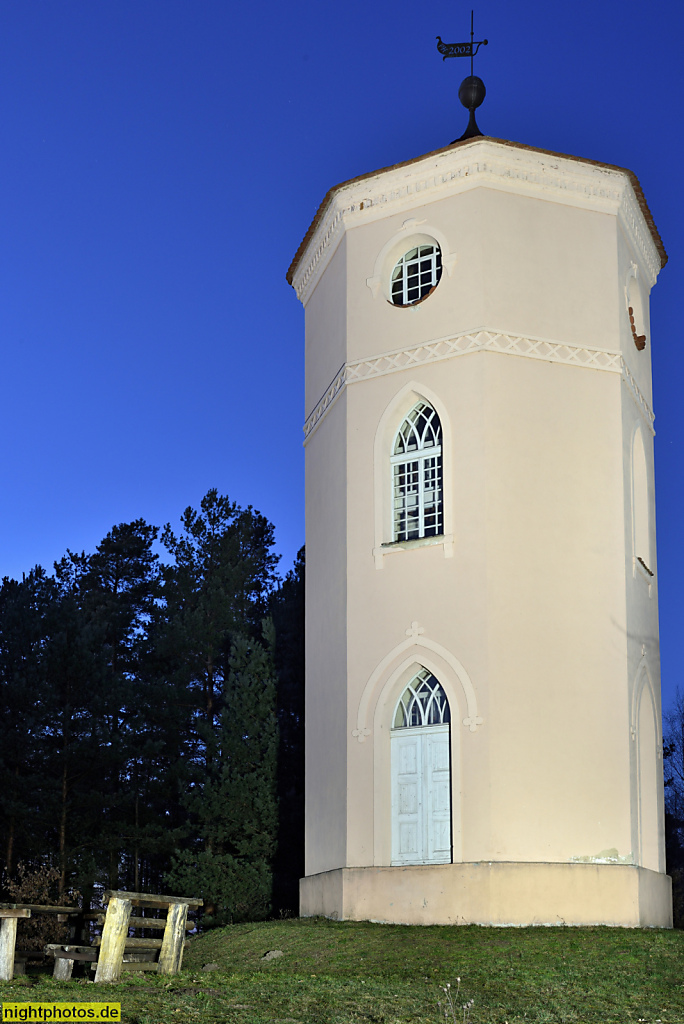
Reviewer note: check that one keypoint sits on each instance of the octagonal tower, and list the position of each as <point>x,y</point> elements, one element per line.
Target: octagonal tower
<point>483,722</point>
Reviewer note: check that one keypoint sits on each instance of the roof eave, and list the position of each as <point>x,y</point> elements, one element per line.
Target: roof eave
<point>638,191</point>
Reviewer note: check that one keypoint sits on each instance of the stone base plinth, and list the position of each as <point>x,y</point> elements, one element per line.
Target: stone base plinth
<point>490,893</point>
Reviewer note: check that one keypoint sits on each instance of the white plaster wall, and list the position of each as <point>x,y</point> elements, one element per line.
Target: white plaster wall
<point>326,327</point>
<point>326,628</point>
<point>560,735</point>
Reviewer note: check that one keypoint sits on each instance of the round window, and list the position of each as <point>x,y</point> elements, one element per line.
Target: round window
<point>416,274</point>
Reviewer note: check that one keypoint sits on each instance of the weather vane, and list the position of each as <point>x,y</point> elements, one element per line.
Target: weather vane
<point>472,90</point>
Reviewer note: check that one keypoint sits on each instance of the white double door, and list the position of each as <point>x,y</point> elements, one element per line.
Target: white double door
<point>421,795</point>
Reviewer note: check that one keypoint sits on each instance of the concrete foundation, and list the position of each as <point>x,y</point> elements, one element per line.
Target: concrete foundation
<point>496,894</point>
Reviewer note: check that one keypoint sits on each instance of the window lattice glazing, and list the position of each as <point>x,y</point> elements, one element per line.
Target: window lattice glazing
<point>416,274</point>
<point>417,476</point>
<point>423,702</point>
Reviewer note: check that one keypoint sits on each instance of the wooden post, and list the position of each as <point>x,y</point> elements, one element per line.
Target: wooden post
<point>63,968</point>
<point>171,954</point>
<point>114,935</point>
<point>8,941</point>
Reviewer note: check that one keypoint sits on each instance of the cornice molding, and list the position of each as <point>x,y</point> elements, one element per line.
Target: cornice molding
<point>632,221</point>
<point>477,341</point>
<point>487,164</point>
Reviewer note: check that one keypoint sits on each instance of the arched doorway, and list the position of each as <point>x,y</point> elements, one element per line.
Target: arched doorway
<point>421,774</point>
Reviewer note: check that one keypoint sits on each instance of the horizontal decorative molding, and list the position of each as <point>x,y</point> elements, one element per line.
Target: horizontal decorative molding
<point>477,341</point>
<point>483,163</point>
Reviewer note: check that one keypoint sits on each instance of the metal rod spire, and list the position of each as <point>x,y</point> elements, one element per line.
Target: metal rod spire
<point>472,36</point>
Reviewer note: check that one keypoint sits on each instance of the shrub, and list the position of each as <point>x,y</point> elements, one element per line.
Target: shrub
<point>39,886</point>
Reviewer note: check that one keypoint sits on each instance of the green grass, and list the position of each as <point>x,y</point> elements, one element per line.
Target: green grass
<point>343,972</point>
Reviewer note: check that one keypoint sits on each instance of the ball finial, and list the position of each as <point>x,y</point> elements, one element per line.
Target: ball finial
<point>472,92</point>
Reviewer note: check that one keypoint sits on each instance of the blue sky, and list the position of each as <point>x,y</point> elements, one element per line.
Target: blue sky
<point>160,161</point>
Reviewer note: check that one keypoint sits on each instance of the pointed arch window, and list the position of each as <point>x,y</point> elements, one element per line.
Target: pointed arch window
<point>417,476</point>
<point>423,702</point>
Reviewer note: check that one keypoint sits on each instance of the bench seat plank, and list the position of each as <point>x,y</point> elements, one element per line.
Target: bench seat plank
<point>40,908</point>
<point>151,900</point>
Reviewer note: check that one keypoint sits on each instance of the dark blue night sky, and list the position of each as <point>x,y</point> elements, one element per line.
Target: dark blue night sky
<point>160,161</point>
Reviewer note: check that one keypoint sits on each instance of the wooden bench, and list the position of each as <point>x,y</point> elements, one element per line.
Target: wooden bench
<point>114,951</point>
<point>115,943</point>
<point>65,955</point>
<point>10,913</point>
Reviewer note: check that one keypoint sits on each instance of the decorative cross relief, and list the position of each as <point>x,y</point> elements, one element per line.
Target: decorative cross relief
<point>473,723</point>
<point>361,734</point>
<point>414,630</point>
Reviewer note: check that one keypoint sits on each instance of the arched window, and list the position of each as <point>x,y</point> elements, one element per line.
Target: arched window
<point>421,774</point>
<point>416,274</point>
<point>423,702</point>
<point>417,476</point>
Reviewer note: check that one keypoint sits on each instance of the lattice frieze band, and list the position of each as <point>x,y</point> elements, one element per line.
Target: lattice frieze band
<point>478,341</point>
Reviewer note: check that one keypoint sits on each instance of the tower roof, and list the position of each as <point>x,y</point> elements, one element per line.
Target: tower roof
<point>332,193</point>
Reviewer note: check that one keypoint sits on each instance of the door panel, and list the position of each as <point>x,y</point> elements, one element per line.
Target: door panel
<point>421,795</point>
<point>408,841</point>
<point>408,798</point>
<point>407,779</point>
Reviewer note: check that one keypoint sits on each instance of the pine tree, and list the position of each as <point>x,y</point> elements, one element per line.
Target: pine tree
<point>287,609</point>
<point>74,705</point>
<point>233,809</point>
<point>93,635</point>
<point>23,608</point>
<point>215,595</point>
<point>117,588</point>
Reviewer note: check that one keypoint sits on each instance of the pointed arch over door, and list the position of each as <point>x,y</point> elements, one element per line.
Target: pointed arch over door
<point>421,774</point>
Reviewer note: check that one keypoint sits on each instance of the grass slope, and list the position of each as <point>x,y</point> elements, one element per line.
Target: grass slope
<point>343,972</point>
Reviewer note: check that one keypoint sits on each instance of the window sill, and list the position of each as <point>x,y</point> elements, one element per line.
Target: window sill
<point>443,540</point>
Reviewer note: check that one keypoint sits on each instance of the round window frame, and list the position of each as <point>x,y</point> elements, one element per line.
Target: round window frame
<point>425,240</point>
<point>411,233</point>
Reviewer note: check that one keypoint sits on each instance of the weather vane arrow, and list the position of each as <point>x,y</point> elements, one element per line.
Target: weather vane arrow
<point>461,49</point>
